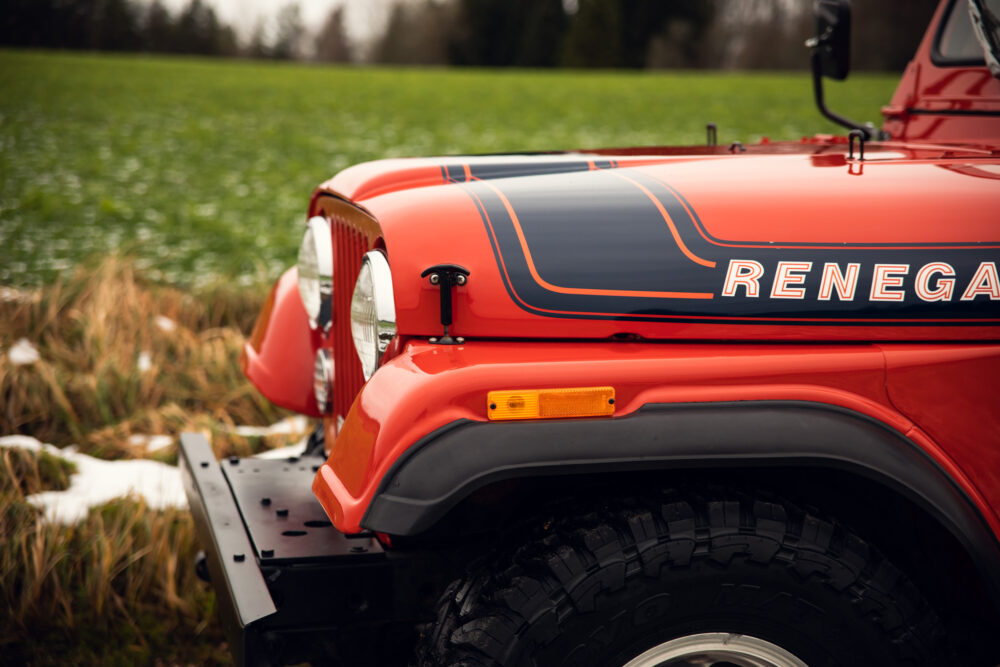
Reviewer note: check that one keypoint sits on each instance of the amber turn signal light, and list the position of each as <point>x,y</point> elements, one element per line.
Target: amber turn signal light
<point>551,403</point>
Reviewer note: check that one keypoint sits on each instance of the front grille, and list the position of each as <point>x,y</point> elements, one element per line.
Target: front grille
<point>354,234</point>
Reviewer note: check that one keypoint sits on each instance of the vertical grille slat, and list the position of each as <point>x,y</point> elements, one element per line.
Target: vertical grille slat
<point>350,245</point>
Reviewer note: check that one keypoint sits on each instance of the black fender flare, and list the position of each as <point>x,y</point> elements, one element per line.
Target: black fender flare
<point>450,463</point>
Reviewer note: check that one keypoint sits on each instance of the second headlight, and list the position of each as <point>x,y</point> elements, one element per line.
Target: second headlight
<point>373,311</point>
<point>316,272</point>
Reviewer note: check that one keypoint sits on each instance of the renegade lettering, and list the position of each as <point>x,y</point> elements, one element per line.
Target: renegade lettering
<point>934,281</point>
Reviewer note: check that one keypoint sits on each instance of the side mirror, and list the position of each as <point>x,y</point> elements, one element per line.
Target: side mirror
<point>831,56</point>
<point>833,37</point>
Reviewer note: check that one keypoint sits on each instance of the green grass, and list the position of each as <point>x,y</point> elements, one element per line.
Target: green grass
<point>202,168</point>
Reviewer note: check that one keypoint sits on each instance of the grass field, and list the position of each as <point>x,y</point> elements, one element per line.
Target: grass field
<point>198,173</point>
<point>202,168</point>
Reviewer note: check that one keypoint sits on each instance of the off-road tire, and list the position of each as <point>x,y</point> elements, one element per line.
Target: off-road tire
<point>601,587</point>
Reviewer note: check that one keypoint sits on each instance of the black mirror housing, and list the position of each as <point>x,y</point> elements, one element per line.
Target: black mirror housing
<point>833,37</point>
<point>831,56</point>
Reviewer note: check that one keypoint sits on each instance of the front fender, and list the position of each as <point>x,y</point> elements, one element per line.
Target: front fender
<point>278,358</point>
<point>429,387</point>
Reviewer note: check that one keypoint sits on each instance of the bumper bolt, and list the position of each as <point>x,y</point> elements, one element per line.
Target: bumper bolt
<point>265,501</point>
<point>239,558</point>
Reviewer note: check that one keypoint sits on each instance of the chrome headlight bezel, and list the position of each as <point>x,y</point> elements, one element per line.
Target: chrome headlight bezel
<point>324,375</point>
<point>373,311</point>
<point>315,269</point>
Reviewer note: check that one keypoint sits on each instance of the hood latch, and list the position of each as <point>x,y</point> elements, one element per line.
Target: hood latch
<point>446,277</point>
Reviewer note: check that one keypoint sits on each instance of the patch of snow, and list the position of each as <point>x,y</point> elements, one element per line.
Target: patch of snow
<point>165,323</point>
<point>145,361</point>
<point>29,443</point>
<point>152,443</point>
<point>288,426</point>
<point>158,442</point>
<point>97,482</point>
<point>23,353</point>
<point>292,451</point>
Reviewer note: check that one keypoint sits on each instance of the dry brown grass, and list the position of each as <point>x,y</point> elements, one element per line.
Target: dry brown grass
<point>119,587</point>
<point>27,472</point>
<point>91,330</point>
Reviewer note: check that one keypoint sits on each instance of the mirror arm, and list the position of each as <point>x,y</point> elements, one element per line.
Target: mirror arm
<point>817,72</point>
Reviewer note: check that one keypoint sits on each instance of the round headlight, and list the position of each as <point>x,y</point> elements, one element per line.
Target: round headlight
<point>316,272</point>
<point>373,311</point>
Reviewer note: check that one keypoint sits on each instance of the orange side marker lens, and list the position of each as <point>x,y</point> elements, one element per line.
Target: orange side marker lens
<point>551,403</point>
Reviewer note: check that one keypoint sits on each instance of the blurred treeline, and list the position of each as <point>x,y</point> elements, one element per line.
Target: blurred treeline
<point>115,25</point>
<point>148,26</point>
<point>713,34</point>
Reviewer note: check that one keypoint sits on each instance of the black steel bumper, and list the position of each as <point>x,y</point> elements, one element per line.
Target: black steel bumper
<point>287,583</point>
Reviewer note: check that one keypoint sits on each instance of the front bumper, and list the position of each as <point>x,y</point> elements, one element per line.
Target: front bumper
<point>287,583</point>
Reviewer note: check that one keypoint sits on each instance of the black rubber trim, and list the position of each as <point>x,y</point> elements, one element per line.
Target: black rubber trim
<point>449,464</point>
<point>953,112</point>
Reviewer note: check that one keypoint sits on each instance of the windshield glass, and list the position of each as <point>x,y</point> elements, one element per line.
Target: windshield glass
<point>957,42</point>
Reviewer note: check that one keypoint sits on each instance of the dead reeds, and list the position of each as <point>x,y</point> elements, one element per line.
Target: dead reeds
<point>119,356</point>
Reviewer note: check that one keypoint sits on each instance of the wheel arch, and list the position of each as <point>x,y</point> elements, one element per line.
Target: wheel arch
<point>450,464</point>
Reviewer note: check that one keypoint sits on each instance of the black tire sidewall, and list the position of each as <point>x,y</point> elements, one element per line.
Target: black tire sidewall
<point>812,621</point>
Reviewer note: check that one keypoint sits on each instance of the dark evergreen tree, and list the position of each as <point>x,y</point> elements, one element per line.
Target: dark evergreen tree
<point>594,38</point>
<point>114,26</point>
<point>288,33</point>
<point>501,33</point>
<point>331,41</point>
<point>158,28</point>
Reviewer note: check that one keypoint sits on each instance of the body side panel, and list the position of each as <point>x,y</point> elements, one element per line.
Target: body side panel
<point>937,101</point>
<point>951,392</point>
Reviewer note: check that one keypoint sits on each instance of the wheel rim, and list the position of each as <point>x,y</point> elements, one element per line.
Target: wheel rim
<point>716,649</point>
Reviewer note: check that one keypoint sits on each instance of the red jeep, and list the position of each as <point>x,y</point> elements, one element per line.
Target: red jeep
<point>698,405</point>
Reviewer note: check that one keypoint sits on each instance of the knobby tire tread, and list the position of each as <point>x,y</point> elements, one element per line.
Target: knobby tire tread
<point>523,599</point>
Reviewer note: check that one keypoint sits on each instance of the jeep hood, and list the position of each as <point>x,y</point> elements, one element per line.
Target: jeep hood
<point>776,242</point>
